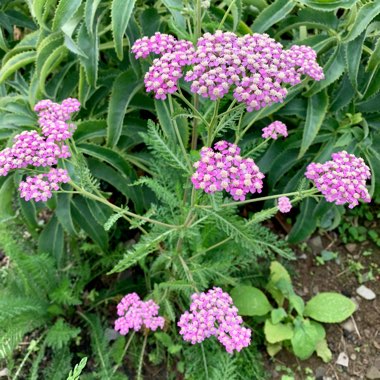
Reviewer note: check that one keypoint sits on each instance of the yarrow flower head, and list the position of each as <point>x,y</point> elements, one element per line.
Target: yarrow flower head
<point>275,129</point>
<point>40,187</point>
<point>135,314</point>
<point>341,180</point>
<point>213,314</point>
<point>224,169</point>
<point>284,204</point>
<point>255,66</point>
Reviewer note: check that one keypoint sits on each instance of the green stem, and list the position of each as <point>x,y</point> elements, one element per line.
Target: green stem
<point>123,354</point>
<point>226,14</point>
<point>257,147</point>
<point>187,272</point>
<point>240,136</point>
<point>179,137</point>
<point>139,369</point>
<point>204,361</point>
<point>210,134</point>
<point>119,209</point>
<point>193,108</point>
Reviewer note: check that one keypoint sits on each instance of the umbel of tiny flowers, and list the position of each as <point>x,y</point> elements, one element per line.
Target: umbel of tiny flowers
<point>256,67</point>
<point>134,314</point>
<point>224,169</point>
<point>341,180</point>
<point>275,129</point>
<point>213,314</point>
<point>32,149</point>
<point>284,205</point>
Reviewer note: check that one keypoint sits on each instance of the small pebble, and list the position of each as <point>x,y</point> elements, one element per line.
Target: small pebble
<point>373,373</point>
<point>366,293</point>
<point>351,247</point>
<point>353,357</point>
<point>342,359</point>
<point>348,326</point>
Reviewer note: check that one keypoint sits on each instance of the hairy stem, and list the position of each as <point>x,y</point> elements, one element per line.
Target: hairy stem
<point>123,354</point>
<point>141,360</point>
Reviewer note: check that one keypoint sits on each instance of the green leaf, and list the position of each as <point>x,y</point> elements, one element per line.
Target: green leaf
<point>63,212</point>
<point>83,217</point>
<point>305,339</point>
<point>374,58</point>
<point>124,88</point>
<point>277,315</point>
<point>6,195</point>
<point>328,5</point>
<point>45,48</point>
<point>279,332</point>
<point>323,351</point>
<point>16,62</point>
<point>333,70</point>
<point>353,51</point>
<point>29,212</point>
<point>329,308</point>
<point>272,14</point>
<point>316,112</point>
<point>121,11</point>
<point>273,349</point>
<point>175,7</point>
<point>90,11</point>
<point>65,10</point>
<point>52,240</point>
<point>297,303</point>
<point>365,15</point>
<point>277,274</point>
<point>150,21</point>
<point>60,334</point>
<point>250,301</point>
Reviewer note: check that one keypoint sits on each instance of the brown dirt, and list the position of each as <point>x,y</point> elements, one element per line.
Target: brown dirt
<point>361,345</point>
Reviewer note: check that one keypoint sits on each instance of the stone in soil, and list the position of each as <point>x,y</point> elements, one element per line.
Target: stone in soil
<point>316,244</point>
<point>348,326</point>
<point>342,359</point>
<point>366,293</point>
<point>373,373</point>
<point>351,247</point>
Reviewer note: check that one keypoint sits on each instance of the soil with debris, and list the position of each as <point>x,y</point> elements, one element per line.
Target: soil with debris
<point>358,338</point>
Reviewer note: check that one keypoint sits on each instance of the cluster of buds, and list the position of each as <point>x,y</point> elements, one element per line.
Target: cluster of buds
<point>224,169</point>
<point>275,129</point>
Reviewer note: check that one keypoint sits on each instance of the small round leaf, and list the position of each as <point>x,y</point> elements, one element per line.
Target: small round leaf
<point>250,301</point>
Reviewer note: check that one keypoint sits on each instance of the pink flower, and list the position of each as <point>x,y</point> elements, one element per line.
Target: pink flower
<point>341,180</point>
<point>284,204</point>
<point>274,129</point>
<point>224,169</point>
<point>213,314</point>
<point>135,314</point>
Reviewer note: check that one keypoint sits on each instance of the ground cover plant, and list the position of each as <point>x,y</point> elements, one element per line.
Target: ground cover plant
<point>144,146</point>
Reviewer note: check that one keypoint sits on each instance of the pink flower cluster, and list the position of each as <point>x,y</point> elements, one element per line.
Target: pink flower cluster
<point>284,205</point>
<point>213,314</point>
<point>134,314</point>
<point>33,149</point>
<point>225,169</point>
<point>255,66</point>
<point>275,129</point>
<point>40,187</point>
<point>341,180</point>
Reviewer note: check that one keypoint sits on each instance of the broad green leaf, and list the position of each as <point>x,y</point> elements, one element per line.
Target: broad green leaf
<point>323,351</point>
<point>63,212</point>
<point>277,315</point>
<point>124,88</point>
<point>45,48</point>
<point>83,217</point>
<point>89,45</point>
<point>3,42</point>
<point>250,301</point>
<point>373,84</point>
<point>175,7</point>
<point>343,95</point>
<point>6,195</point>
<point>365,15</point>
<point>374,58</point>
<point>316,112</point>
<point>328,5</point>
<point>90,11</point>
<point>121,11</point>
<point>305,339</point>
<point>353,50</point>
<point>52,240</point>
<point>89,129</point>
<point>277,273</point>
<point>219,14</point>
<point>65,10</point>
<point>29,212</point>
<point>329,308</point>
<point>16,62</point>
<point>279,332</point>
<point>297,303</point>
<point>333,70</point>
<point>273,349</point>
<point>272,14</point>
<point>305,223</point>
<point>236,12</point>
<point>150,21</point>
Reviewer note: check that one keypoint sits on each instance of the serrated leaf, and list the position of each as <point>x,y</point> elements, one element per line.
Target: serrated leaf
<point>353,51</point>
<point>175,7</point>
<point>16,62</point>
<point>365,15</point>
<point>374,58</point>
<point>279,332</point>
<point>316,112</point>
<point>65,10</point>
<point>272,14</point>
<point>90,11</point>
<point>45,48</point>
<point>121,11</point>
<point>329,307</point>
<point>333,70</point>
<point>124,88</point>
<point>250,301</point>
<point>328,5</point>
